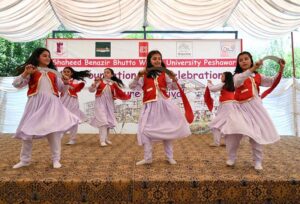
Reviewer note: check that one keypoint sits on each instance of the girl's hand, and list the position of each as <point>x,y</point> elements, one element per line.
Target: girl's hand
<point>97,79</point>
<point>173,76</point>
<point>256,65</point>
<point>29,69</point>
<point>281,64</point>
<point>65,79</point>
<point>209,82</point>
<point>141,72</point>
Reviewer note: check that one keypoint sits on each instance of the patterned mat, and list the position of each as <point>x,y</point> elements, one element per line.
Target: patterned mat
<point>94,174</point>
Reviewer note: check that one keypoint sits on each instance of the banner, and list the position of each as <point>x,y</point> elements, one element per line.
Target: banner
<point>194,62</point>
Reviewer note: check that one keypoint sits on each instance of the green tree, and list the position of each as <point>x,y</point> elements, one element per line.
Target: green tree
<point>280,48</point>
<point>14,54</point>
<point>289,65</point>
<point>140,35</point>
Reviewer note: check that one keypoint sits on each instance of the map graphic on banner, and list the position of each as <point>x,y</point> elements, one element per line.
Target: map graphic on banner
<point>194,62</point>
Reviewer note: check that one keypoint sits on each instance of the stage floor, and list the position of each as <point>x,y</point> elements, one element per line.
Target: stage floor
<point>94,174</point>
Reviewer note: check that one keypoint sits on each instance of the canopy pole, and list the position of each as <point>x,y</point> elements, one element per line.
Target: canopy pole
<point>231,12</point>
<point>294,91</point>
<point>145,24</point>
<point>293,55</point>
<point>54,11</point>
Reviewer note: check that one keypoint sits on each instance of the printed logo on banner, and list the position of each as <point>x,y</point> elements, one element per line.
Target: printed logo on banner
<point>60,48</point>
<point>103,49</point>
<point>143,49</point>
<point>227,49</point>
<point>184,49</point>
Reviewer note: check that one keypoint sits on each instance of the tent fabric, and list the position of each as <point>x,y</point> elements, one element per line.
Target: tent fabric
<point>27,20</point>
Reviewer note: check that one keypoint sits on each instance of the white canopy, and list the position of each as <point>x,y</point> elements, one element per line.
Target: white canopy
<point>27,20</point>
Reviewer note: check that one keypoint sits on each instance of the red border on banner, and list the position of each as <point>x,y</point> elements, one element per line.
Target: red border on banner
<point>127,63</point>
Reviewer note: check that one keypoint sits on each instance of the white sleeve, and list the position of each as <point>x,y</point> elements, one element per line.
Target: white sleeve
<point>20,82</point>
<point>215,88</point>
<point>267,81</point>
<point>170,84</point>
<point>60,85</point>
<point>137,84</point>
<point>240,78</point>
<point>92,89</point>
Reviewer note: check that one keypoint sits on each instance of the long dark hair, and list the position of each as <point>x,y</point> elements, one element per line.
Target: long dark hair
<point>229,85</point>
<point>115,78</point>
<point>153,73</point>
<point>238,68</point>
<point>79,75</point>
<point>34,60</point>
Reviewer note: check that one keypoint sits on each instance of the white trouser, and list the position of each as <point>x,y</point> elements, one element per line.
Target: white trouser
<point>148,149</point>
<point>54,140</point>
<point>73,132</point>
<point>103,133</point>
<point>232,145</point>
<point>217,136</point>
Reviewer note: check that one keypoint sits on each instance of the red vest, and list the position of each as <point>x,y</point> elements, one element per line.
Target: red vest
<point>116,91</point>
<point>245,92</point>
<point>226,95</point>
<point>35,81</point>
<point>76,87</point>
<point>150,89</point>
<point>100,88</point>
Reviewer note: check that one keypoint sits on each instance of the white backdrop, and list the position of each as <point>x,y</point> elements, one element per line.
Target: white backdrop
<point>282,103</point>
